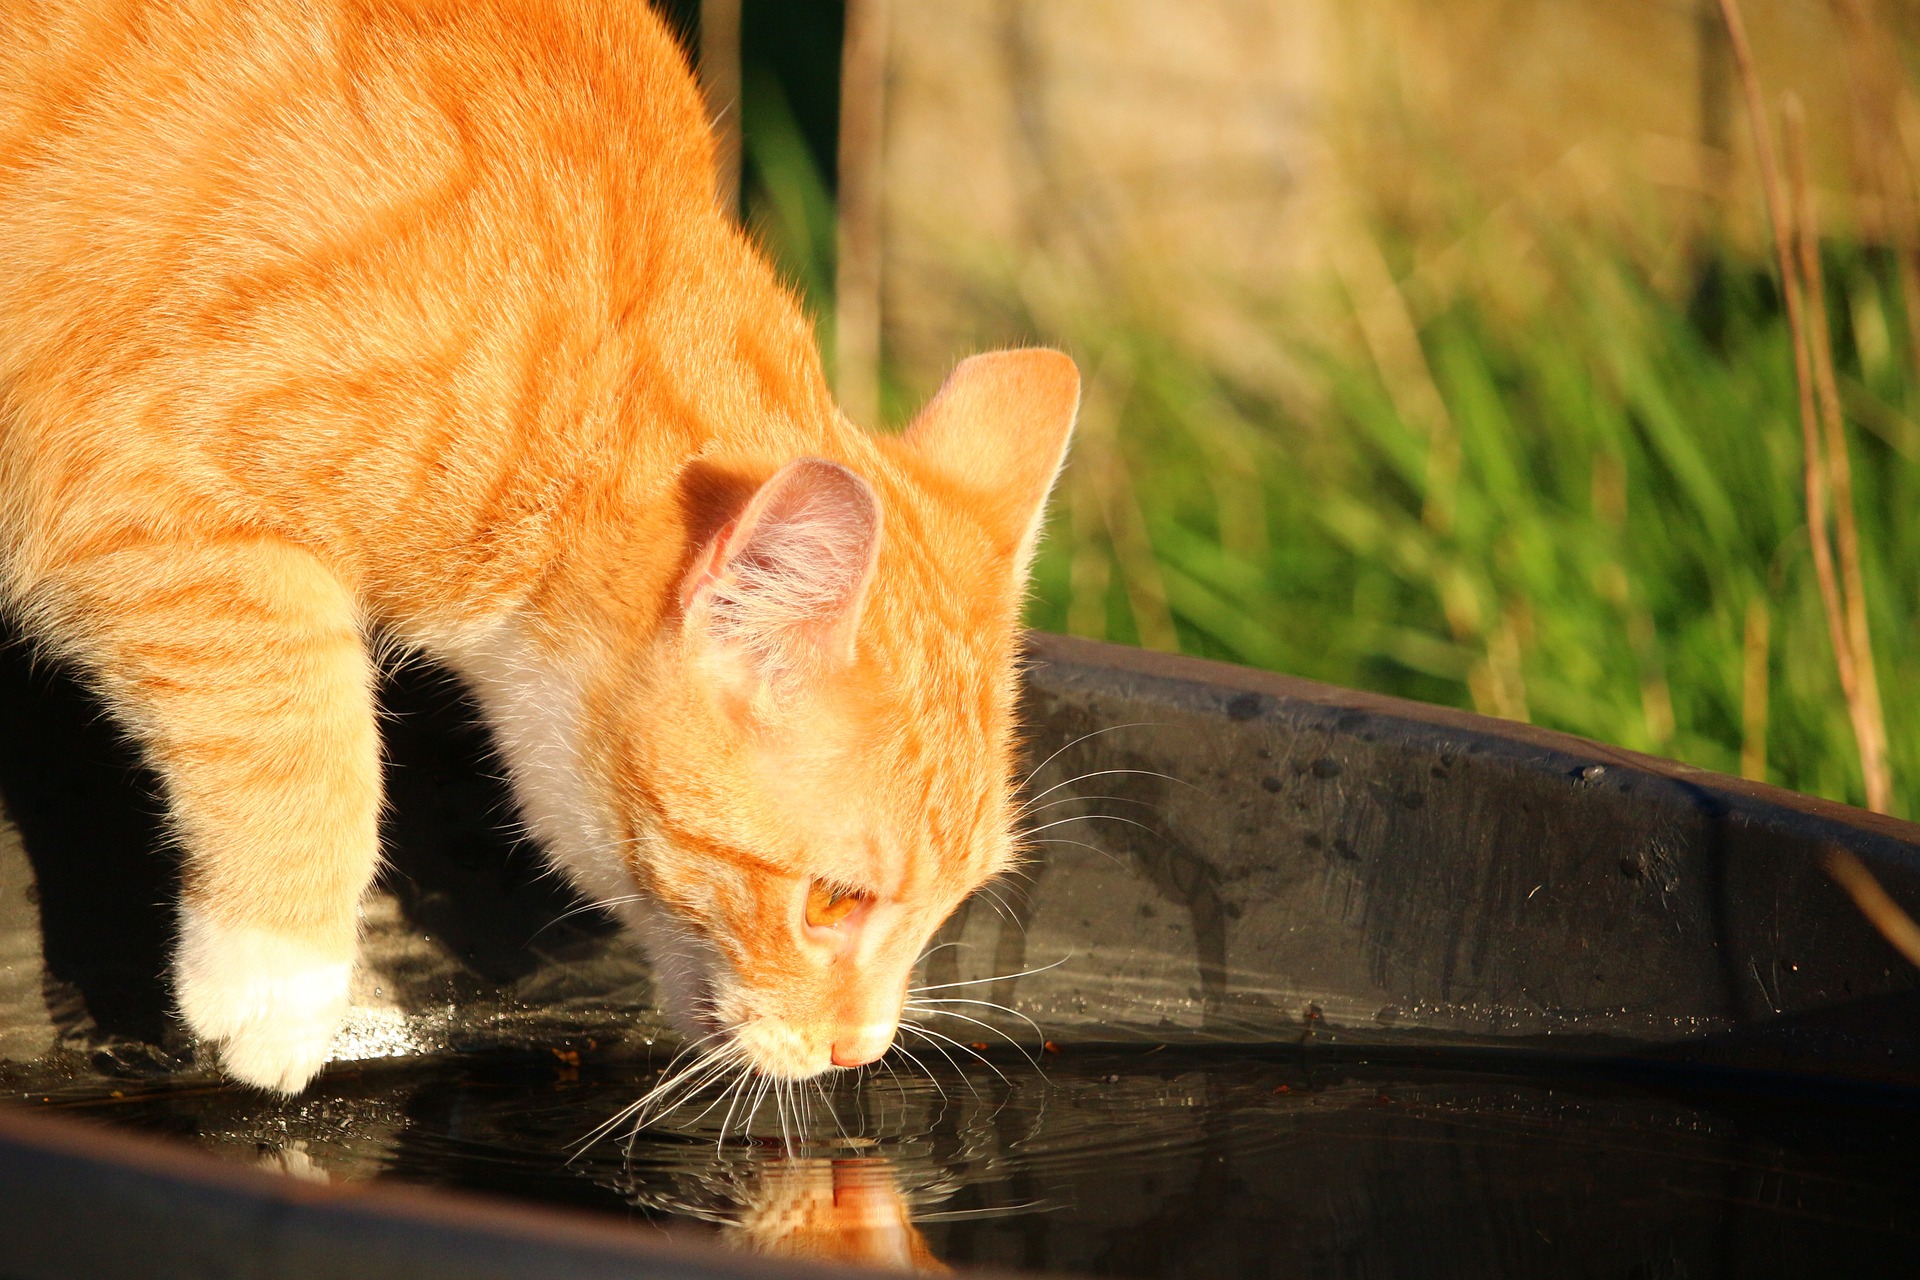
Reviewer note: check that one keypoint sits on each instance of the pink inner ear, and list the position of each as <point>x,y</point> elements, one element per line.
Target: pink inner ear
<point>783,585</point>
<point>696,587</point>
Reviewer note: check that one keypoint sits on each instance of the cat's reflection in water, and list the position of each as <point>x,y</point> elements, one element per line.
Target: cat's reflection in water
<point>841,1210</point>
<point>293,1159</point>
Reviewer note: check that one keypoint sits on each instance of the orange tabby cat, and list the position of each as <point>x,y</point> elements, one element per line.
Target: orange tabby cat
<point>328,324</point>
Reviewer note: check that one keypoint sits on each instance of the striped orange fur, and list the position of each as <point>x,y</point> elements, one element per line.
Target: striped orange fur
<point>327,324</point>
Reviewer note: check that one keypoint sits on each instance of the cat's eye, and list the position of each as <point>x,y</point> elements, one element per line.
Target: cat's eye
<point>830,904</point>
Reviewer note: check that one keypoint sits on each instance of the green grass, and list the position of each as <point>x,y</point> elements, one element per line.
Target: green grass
<point>1609,490</point>
<point>1616,480</point>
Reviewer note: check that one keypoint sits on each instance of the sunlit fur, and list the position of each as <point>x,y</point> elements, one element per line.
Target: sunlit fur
<point>329,326</point>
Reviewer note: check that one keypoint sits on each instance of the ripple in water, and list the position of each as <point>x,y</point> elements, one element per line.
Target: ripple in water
<point>1132,1163</point>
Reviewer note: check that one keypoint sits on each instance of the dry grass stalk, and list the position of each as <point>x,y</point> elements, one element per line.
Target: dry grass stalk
<point>1393,341</point>
<point>1800,287</point>
<point>1754,688</point>
<point>1506,664</point>
<point>1863,700</point>
<point>1656,694</point>
<point>1818,485</point>
<point>1886,915</point>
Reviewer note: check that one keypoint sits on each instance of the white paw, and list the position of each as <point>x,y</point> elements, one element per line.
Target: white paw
<point>272,1002</point>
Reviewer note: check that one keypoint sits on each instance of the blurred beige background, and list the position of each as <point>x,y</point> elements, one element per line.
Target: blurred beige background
<point>1219,164</point>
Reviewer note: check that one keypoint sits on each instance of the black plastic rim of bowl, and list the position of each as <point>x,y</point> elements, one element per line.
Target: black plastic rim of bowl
<point>79,1200</point>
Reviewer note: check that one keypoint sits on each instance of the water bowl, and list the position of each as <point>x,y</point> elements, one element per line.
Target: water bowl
<point>1302,981</point>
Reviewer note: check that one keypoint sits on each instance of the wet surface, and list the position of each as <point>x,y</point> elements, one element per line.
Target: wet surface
<point>1140,1163</point>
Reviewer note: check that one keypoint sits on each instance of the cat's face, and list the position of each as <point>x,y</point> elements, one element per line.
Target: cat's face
<point>813,764</point>
<point>798,862</point>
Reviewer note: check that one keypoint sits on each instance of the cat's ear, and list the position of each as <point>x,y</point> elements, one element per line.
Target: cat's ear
<point>778,593</point>
<point>998,431</point>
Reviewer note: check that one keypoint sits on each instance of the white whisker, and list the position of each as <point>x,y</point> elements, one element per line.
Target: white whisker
<point>753,1108</point>
<point>1000,905</point>
<point>1088,817</point>
<point>928,1007</point>
<point>1054,804</point>
<point>935,1039</point>
<point>1108,854</point>
<point>744,1070</point>
<point>664,1098</point>
<point>606,904</point>
<point>736,1092</point>
<point>673,1086</point>
<point>915,1060</point>
<point>1112,728</point>
<point>1101,773</point>
<point>968,1049</point>
<point>1004,977</point>
<point>988,1026</point>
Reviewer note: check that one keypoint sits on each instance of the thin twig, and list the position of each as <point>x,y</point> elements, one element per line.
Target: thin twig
<point>1863,701</point>
<point>1392,338</point>
<point>1780,218</point>
<point>1754,683</point>
<point>1886,915</point>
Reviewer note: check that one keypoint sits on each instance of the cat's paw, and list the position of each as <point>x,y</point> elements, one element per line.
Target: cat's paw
<point>271,1002</point>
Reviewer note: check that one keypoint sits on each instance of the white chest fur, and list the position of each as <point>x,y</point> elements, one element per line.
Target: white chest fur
<point>531,699</point>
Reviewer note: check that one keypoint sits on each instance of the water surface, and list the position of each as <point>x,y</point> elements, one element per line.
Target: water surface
<point>1139,1163</point>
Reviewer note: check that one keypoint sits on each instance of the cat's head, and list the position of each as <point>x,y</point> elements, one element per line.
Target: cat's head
<point>815,756</point>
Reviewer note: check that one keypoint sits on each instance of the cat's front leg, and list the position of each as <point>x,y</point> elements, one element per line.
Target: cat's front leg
<point>271,999</point>
<point>238,663</point>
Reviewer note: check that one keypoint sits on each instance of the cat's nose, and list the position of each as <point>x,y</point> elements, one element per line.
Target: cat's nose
<point>866,1045</point>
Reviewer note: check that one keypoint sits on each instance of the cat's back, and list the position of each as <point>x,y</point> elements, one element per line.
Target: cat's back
<point>278,244</point>
<point>164,142</point>
<point>177,75</point>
